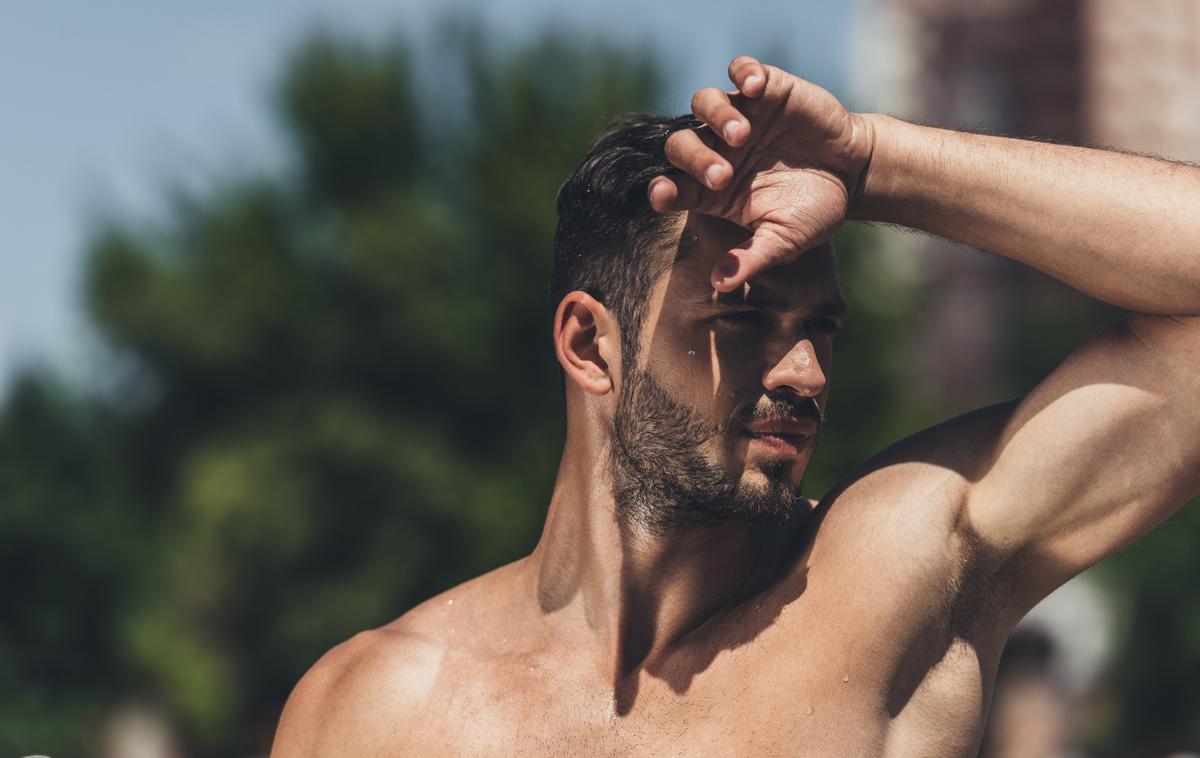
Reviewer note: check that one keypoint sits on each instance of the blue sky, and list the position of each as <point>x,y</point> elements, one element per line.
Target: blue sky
<point>106,104</point>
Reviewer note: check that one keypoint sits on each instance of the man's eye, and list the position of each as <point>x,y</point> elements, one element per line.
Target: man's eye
<point>741,317</point>
<point>824,325</point>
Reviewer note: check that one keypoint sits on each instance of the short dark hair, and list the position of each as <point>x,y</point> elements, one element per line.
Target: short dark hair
<point>607,235</point>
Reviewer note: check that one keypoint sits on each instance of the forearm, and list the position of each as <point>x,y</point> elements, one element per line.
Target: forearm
<point>1122,228</point>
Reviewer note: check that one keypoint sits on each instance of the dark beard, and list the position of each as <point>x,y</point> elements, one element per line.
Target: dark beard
<point>661,479</point>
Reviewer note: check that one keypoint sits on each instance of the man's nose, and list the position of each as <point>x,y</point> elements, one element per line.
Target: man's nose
<point>798,370</point>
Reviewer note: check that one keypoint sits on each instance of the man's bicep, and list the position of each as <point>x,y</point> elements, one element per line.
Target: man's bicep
<point>1100,452</point>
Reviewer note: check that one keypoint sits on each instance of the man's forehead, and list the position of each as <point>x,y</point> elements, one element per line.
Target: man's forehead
<point>704,240</point>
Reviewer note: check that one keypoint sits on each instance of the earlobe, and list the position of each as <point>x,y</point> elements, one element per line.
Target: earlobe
<point>583,330</point>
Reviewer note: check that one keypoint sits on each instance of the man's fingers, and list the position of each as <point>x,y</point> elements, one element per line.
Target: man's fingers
<point>712,106</point>
<point>674,193</point>
<point>686,150</point>
<point>748,75</point>
<point>766,248</point>
<point>695,155</point>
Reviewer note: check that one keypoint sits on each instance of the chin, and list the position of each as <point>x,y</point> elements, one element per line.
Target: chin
<point>767,475</point>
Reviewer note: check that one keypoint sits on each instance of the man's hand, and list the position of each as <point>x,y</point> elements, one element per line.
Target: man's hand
<point>778,155</point>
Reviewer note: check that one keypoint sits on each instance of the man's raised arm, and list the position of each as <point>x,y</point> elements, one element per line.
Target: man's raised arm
<point>1108,445</point>
<point>1122,228</point>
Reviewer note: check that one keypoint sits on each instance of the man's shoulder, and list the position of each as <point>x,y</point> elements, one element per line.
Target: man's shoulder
<point>960,445</point>
<point>365,694</point>
<point>924,477</point>
<point>339,704</point>
<point>902,513</point>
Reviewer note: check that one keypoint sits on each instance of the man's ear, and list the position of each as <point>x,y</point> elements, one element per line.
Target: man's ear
<point>587,342</point>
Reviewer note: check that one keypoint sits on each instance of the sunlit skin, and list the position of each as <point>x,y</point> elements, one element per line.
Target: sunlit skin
<point>870,622</point>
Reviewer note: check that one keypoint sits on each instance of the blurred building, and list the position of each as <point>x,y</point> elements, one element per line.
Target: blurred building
<point>1106,72</point>
<point>1120,73</point>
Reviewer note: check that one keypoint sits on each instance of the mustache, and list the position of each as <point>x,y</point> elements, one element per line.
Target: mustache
<point>779,407</point>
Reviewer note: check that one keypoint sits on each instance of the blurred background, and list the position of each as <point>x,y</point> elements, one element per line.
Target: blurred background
<point>274,355</point>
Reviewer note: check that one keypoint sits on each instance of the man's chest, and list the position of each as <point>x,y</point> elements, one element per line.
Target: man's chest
<point>787,686</point>
<point>646,714</point>
<point>865,649</point>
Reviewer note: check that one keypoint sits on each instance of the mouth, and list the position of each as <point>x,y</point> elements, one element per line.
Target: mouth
<point>779,443</point>
<point>783,436</point>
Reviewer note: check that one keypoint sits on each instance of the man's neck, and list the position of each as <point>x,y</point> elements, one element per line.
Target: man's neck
<point>635,592</point>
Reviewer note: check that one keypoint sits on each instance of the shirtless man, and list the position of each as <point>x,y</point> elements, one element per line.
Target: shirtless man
<point>684,599</point>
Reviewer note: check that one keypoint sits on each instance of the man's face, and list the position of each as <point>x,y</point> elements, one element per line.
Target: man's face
<point>720,414</point>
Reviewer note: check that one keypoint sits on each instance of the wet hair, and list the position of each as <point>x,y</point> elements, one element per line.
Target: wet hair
<point>608,237</point>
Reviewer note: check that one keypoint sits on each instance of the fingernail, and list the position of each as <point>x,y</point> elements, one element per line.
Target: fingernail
<point>752,82</point>
<point>732,130</point>
<point>650,188</point>
<point>713,175</point>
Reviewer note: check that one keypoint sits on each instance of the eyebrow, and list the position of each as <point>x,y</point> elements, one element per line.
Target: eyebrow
<point>728,300</point>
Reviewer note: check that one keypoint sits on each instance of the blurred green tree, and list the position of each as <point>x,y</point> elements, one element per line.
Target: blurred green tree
<point>70,539</point>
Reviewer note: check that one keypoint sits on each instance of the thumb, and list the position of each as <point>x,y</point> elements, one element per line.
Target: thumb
<point>769,246</point>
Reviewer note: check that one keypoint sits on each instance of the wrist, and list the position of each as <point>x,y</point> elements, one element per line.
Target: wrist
<point>875,195</point>
<point>865,133</point>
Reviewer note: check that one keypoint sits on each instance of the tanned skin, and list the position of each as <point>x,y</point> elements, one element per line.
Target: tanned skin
<point>871,624</point>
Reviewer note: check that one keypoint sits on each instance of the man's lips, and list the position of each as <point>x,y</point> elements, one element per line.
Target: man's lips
<point>783,436</point>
